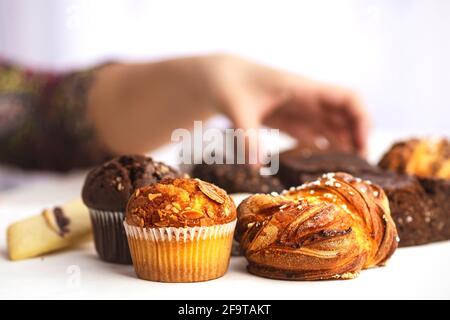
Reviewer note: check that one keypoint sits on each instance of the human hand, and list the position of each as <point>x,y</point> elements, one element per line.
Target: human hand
<point>135,107</point>
<point>318,115</point>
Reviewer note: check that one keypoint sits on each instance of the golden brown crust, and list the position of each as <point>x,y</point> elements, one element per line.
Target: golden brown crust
<point>328,229</point>
<point>421,157</point>
<point>180,203</point>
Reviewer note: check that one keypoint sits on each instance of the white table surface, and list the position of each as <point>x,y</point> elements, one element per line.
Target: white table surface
<point>415,272</point>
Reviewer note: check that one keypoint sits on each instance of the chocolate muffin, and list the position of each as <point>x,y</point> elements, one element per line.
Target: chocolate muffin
<point>109,186</point>
<point>237,178</point>
<point>106,192</point>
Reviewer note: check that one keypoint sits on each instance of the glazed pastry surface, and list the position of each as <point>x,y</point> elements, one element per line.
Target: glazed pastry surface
<point>331,228</point>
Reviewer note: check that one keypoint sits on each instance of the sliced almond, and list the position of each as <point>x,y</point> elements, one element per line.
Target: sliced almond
<point>210,214</point>
<point>138,221</point>
<point>163,169</point>
<point>209,191</point>
<point>193,214</point>
<point>152,196</point>
<point>160,224</point>
<point>175,210</point>
<point>138,192</point>
<point>176,205</point>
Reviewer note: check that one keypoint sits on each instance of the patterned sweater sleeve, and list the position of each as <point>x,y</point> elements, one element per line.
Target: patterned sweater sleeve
<point>43,121</point>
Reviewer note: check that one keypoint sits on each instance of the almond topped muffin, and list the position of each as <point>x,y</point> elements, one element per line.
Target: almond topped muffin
<point>180,230</point>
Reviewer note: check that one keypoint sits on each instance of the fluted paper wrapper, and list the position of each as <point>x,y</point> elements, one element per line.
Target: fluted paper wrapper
<point>180,254</point>
<point>109,236</point>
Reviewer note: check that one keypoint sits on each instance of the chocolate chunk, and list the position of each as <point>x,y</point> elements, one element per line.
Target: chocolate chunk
<point>62,221</point>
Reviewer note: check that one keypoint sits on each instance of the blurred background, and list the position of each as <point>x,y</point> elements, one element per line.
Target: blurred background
<point>395,53</point>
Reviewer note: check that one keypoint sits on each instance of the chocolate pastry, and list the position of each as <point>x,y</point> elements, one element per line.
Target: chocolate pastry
<point>331,228</point>
<point>110,185</point>
<point>413,211</point>
<point>296,167</point>
<point>237,178</point>
<point>429,161</point>
<point>419,157</point>
<point>439,192</point>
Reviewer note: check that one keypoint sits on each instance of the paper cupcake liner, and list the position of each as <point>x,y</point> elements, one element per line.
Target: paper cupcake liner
<point>109,236</point>
<point>180,254</point>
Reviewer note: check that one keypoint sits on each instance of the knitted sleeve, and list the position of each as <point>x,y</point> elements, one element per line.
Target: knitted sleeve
<point>43,121</point>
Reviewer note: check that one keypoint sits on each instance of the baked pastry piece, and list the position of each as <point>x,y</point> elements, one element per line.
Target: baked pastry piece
<point>106,192</point>
<point>417,205</point>
<point>429,161</point>
<point>180,230</point>
<point>331,228</point>
<point>439,192</point>
<point>237,178</point>
<point>420,157</point>
<point>54,229</point>
<point>109,185</point>
<point>297,167</point>
<point>412,209</point>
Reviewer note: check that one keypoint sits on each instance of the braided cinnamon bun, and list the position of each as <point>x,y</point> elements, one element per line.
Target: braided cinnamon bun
<point>327,229</point>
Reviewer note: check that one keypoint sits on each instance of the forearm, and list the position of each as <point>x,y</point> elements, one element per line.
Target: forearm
<point>135,107</point>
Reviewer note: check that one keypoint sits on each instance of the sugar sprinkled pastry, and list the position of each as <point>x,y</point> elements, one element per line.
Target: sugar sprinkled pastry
<point>331,228</point>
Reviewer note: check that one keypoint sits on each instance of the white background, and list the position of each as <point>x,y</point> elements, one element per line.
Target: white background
<point>395,53</point>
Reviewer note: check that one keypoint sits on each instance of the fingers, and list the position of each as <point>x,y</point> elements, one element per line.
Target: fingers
<point>353,112</point>
<point>284,100</point>
<point>360,122</point>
